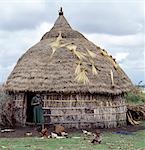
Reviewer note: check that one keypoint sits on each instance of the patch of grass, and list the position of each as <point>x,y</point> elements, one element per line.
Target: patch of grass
<point>110,141</point>
<point>136,98</point>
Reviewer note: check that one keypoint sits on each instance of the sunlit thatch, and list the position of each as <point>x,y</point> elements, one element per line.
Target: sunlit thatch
<point>82,76</point>
<point>64,46</point>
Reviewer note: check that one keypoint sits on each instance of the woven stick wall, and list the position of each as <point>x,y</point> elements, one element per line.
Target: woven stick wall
<point>78,110</point>
<point>85,110</point>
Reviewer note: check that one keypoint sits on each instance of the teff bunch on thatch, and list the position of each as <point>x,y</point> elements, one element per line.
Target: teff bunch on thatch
<point>81,69</point>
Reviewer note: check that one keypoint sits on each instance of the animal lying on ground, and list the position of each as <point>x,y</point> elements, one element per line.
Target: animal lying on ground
<point>97,137</point>
<point>55,136</point>
<point>59,129</point>
<point>65,134</point>
<point>85,132</point>
<point>44,132</point>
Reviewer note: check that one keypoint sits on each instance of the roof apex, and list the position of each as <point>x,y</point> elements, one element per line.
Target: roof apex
<point>60,11</point>
<point>61,21</point>
<point>62,25</point>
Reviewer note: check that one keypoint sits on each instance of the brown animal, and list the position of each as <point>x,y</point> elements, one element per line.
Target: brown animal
<point>59,129</point>
<point>44,132</point>
<point>97,138</point>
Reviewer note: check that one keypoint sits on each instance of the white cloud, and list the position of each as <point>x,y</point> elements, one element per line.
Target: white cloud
<point>116,18</point>
<point>17,15</point>
<point>21,39</point>
<point>109,40</point>
<point>121,56</point>
<point>5,71</point>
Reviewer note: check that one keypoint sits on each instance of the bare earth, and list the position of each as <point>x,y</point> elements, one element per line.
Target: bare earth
<point>21,131</point>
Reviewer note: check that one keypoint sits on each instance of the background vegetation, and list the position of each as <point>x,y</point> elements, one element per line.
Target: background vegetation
<point>135,97</point>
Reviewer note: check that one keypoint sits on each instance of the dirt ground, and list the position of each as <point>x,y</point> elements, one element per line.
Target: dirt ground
<point>21,131</point>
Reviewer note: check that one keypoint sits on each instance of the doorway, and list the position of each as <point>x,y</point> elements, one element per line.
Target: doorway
<point>29,110</point>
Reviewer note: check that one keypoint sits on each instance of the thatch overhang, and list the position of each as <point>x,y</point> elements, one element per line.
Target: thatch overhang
<point>36,72</point>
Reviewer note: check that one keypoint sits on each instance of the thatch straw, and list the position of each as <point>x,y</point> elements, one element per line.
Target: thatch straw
<point>104,53</point>
<point>112,78</point>
<point>82,76</point>
<point>80,55</point>
<point>34,72</point>
<point>94,70</point>
<point>71,46</point>
<point>56,44</point>
<point>78,68</point>
<point>91,54</point>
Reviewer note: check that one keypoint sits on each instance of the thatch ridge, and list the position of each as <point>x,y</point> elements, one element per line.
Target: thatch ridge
<point>36,72</point>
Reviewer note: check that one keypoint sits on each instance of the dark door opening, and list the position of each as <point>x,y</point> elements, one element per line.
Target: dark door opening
<point>29,111</point>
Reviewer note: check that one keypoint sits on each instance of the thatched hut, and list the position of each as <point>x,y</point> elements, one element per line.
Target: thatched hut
<point>81,85</point>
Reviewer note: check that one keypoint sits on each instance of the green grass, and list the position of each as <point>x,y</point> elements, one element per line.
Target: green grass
<point>135,98</point>
<point>110,141</point>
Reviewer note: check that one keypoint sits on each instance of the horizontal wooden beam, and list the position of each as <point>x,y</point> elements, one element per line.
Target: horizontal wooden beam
<point>51,100</point>
<point>63,108</point>
<point>74,114</point>
<point>67,122</point>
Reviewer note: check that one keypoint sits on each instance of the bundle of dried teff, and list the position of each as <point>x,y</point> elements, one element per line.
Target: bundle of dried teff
<point>97,137</point>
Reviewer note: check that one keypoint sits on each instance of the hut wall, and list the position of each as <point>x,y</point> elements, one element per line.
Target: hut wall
<point>77,110</point>
<point>19,107</point>
<point>84,110</point>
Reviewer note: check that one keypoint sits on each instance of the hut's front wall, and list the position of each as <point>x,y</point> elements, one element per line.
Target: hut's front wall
<point>85,110</point>
<point>77,110</point>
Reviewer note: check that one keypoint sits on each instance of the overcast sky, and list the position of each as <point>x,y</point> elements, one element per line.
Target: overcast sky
<point>116,25</point>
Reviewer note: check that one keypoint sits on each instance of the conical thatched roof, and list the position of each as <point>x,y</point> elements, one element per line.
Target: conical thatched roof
<point>65,61</point>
